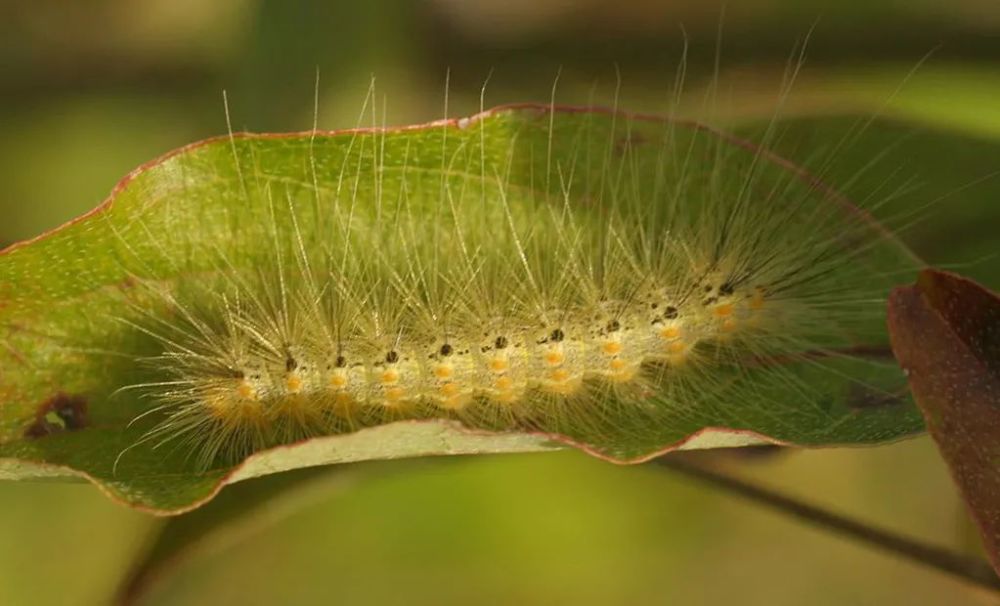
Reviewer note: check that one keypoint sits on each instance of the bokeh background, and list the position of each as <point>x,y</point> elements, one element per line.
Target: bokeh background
<point>901,93</point>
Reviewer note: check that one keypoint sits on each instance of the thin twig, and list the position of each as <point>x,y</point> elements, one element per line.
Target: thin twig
<point>971,569</point>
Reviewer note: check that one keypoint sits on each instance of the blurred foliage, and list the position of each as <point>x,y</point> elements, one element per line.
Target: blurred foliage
<point>90,90</point>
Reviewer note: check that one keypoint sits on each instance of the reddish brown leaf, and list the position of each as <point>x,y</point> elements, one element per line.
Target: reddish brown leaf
<point>945,333</point>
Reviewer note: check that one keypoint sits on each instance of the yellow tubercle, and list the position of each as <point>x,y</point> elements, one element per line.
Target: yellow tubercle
<point>554,357</point>
<point>246,391</point>
<point>670,332</point>
<point>453,402</point>
<point>498,364</point>
<point>394,395</point>
<point>723,310</point>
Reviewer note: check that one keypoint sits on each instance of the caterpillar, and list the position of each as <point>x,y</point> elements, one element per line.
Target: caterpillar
<point>578,272</point>
<point>568,275</point>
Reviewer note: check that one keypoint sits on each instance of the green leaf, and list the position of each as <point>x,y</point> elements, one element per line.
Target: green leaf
<point>70,301</point>
<point>937,183</point>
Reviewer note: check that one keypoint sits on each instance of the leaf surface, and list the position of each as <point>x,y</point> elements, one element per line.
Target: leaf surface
<point>62,297</point>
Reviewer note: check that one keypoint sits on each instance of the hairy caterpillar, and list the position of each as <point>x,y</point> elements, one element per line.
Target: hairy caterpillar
<point>586,273</point>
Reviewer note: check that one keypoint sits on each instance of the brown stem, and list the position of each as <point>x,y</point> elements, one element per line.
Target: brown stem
<point>971,569</point>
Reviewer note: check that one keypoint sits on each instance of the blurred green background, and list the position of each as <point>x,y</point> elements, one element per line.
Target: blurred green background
<point>89,90</point>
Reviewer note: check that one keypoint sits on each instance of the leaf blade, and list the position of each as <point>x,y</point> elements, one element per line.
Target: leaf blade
<point>81,269</point>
